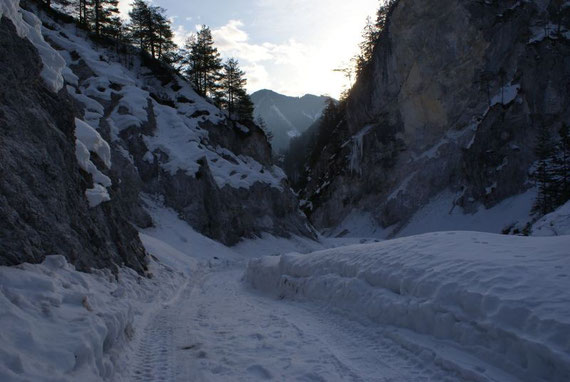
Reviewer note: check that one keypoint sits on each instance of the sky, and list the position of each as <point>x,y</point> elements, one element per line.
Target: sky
<point>289,46</point>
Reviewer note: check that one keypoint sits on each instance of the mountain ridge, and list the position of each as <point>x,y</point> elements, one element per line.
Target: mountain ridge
<point>285,116</point>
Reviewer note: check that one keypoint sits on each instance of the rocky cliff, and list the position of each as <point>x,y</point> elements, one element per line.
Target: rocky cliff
<point>90,129</point>
<point>451,102</point>
<point>43,206</point>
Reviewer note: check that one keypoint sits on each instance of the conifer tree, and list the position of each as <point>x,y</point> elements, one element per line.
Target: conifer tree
<point>164,34</point>
<point>84,12</point>
<point>232,85</point>
<point>204,63</point>
<point>151,30</point>
<point>137,26</point>
<point>543,175</point>
<point>562,166</point>
<point>244,106</point>
<point>105,16</point>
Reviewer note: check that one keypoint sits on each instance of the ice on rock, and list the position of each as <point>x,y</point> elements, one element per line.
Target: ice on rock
<point>356,153</point>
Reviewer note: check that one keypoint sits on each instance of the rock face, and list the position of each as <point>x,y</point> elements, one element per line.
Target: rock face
<point>165,142</point>
<point>453,100</point>
<point>286,117</point>
<point>43,208</point>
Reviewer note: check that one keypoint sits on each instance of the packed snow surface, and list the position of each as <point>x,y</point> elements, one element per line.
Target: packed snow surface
<point>504,300</point>
<point>452,306</point>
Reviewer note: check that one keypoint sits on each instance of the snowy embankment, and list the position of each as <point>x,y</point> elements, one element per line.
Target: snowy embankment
<point>59,324</point>
<point>462,299</point>
<point>556,223</point>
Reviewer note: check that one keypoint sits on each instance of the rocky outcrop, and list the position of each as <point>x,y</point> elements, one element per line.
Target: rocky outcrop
<point>77,164</point>
<point>452,100</point>
<point>170,143</point>
<point>43,207</point>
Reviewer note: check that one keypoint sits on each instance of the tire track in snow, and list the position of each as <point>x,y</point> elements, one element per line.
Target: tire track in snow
<point>218,330</point>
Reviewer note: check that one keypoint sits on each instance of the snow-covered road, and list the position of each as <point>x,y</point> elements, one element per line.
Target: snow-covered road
<point>220,330</point>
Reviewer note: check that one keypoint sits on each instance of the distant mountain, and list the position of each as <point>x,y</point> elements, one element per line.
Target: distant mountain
<point>285,116</point>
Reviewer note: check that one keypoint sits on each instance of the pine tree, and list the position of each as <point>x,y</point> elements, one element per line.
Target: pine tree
<point>561,162</point>
<point>164,34</point>
<point>105,17</point>
<point>244,106</point>
<point>543,175</point>
<point>204,64</point>
<point>84,12</point>
<point>137,26</point>
<point>151,29</point>
<point>232,84</point>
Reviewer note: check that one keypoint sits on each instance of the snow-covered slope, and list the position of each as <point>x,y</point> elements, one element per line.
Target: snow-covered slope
<point>138,127</point>
<point>556,223</point>
<point>457,298</point>
<point>442,214</point>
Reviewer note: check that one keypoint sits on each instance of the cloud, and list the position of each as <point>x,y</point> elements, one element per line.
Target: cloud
<point>257,76</point>
<point>180,35</point>
<point>233,41</point>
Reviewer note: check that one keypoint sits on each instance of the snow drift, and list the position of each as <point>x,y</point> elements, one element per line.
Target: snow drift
<point>502,299</point>
<point>59,324</point>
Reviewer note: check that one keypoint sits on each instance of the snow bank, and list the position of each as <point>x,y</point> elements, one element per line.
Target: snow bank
<point>59,324</point>
<point>502,299</point>
<point>29,26</point>
<point>554,224</point>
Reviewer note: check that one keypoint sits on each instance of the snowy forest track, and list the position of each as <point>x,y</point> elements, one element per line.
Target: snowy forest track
<point>219,330</point>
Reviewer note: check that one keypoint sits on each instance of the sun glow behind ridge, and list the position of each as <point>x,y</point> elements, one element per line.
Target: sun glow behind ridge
<point>291,47</point>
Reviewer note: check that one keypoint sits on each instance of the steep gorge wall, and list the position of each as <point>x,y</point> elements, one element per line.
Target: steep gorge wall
<point>162,140</point>
<point>43,207</point>
<point>453,100</point>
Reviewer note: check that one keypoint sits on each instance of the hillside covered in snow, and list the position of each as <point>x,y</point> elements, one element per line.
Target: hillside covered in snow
<point>147,234</point>
<point>121,125</point>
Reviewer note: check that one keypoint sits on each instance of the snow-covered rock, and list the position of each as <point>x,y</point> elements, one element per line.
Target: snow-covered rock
<point>502,299</point>
<point>29,26</point>
<point>556,223</point>
<point>167,140</point>
<point>53,169</point>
